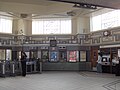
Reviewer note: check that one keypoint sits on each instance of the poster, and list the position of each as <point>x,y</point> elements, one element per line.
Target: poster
<point>72,56</point>
<point>82,55</point>
<point>53,56</point>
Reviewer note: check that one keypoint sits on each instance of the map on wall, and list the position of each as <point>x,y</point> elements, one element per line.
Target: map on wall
<point>82,55</point>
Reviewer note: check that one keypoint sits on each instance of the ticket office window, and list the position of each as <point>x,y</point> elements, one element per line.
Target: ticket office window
<point>62,56</point>
<point>45,54</point>
<point>8,54</point>
<point>2,54</point>
<point>33,54</point>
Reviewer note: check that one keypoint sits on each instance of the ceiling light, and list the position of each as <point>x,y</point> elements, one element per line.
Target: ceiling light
<point>87,6</point>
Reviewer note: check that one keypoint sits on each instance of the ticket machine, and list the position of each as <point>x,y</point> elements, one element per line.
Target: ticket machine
<point>106,59</point>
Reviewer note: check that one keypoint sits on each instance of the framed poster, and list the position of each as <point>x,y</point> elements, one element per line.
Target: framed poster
<point>53,56</point>
<point>82,55</point>
<point>72,56</point>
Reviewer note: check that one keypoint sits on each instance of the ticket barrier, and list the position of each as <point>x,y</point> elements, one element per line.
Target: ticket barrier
<point>29,66</point>
<point>33,67</point>
<point>39,66</point>
<point>9,68</point>
<point>17,68</point>
<point>2,69</point>
<point>13,68</point>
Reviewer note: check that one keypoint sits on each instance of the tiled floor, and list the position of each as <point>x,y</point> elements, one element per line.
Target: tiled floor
<point>62,81</point>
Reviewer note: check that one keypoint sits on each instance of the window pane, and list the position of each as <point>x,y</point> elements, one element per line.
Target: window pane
<point>109,20</point>
<point>106,20</point>
<point>96,23</point>
<point>5,25</point>
<point>66,27</point>
<point>51,26</point>
<point>2,54</point>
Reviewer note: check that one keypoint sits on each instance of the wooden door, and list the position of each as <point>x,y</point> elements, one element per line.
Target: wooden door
<point>94,56</point>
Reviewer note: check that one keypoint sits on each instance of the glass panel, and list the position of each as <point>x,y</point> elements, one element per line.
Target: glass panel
<point>33,54</point>
<point>27,53</point>
<point>5,21</point>
<point>2,54</point>
<point>19,55</point>
<point>51,26</point>
<point>63,56</point>
<point>8,54</point>
<point>106,20</point>
<point>118,52</point>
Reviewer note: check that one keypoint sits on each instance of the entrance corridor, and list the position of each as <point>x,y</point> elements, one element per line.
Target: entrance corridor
<point>58,80</point>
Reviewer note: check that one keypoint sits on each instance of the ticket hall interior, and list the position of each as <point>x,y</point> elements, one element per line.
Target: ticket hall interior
<point>68,44</point>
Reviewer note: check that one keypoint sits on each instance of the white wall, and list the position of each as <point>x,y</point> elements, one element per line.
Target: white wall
<point>74,25</point>
<point>25,25</point>
<point>15,26</point>
<point>81,25</point>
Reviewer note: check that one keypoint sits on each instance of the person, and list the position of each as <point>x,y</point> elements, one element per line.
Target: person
<point>23,63</point>
<point>117,67</point>
<point>99,63</point>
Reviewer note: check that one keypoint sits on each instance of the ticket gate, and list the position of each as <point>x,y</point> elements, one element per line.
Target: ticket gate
<point>7,69</point>
<point>2,69</point>
<point>33,67</point>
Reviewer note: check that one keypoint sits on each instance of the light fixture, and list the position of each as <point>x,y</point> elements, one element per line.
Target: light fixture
<point>87,6</point>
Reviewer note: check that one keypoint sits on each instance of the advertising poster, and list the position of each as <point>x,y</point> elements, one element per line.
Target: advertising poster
<point>53,56</point>
<point>72,56</point>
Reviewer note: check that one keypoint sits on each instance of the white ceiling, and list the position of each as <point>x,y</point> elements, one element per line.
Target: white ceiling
<point>37,2</point>
<point>41,9</point>
<point>114,4</point>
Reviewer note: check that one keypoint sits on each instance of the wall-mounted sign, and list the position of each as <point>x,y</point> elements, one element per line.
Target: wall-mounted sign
<point>106,33</point>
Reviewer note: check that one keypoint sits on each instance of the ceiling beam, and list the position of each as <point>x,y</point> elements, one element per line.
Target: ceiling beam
<point>79,2</point>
